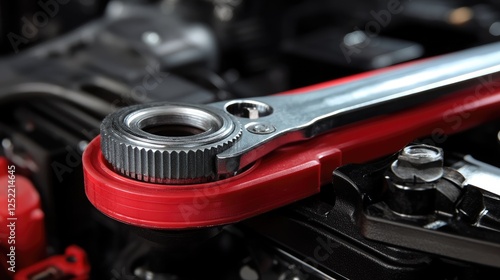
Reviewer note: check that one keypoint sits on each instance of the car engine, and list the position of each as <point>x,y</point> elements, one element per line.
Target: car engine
<point>249,140</point>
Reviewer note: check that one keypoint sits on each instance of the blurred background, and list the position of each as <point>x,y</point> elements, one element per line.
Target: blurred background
<point>65,64</point>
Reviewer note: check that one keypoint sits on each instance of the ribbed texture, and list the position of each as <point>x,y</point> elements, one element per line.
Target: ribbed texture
<point>162,166</point>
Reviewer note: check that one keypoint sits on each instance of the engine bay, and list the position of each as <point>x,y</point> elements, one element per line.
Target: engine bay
<point>252,140</point>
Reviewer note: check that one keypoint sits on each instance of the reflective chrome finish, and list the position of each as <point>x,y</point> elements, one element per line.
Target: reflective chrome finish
<point>301,116</point>
<point>229,136</point>
<point>167,143</point>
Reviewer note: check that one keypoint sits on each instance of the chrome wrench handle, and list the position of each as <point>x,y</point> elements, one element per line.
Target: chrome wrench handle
<point>273,121</point>
<point>183,144</point>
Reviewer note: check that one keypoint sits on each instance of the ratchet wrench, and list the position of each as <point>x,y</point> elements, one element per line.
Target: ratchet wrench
<point>158,157</point>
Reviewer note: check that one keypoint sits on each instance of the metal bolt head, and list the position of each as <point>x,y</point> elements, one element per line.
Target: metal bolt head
<point>260,128</point>
<point>151,38</point>
<point>419,164</point>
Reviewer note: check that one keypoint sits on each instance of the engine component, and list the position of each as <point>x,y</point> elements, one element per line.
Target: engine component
<point>415,178</point>
<point>21,213</point>
<point>356,47</point>
<point>72,265</point>
<point>331,227</point>
<point>446,216</point>
<point>262,212</point>
<point>419,164</point>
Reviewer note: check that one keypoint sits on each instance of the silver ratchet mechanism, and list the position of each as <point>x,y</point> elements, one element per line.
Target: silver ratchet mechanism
<point>184,144</point>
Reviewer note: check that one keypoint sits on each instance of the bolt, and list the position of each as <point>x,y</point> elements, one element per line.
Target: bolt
<point>354,38</point>
<point>82,145</point>
<point>7,144</point>
<point>419,164</point>
<point>261,128</point>
<point>248,273</point>
<point>151,38</point>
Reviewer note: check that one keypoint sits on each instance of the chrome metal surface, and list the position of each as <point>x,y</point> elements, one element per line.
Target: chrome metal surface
<point>479,174</point>
<point>419,164</point>
<point>273,121</point>
<point>167,143</point>
<point>301,116</point>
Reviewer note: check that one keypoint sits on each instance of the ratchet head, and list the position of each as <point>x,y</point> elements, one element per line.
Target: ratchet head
<point>168,143</point>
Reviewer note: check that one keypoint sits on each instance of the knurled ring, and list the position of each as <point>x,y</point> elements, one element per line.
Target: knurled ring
<point>167,142</point>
